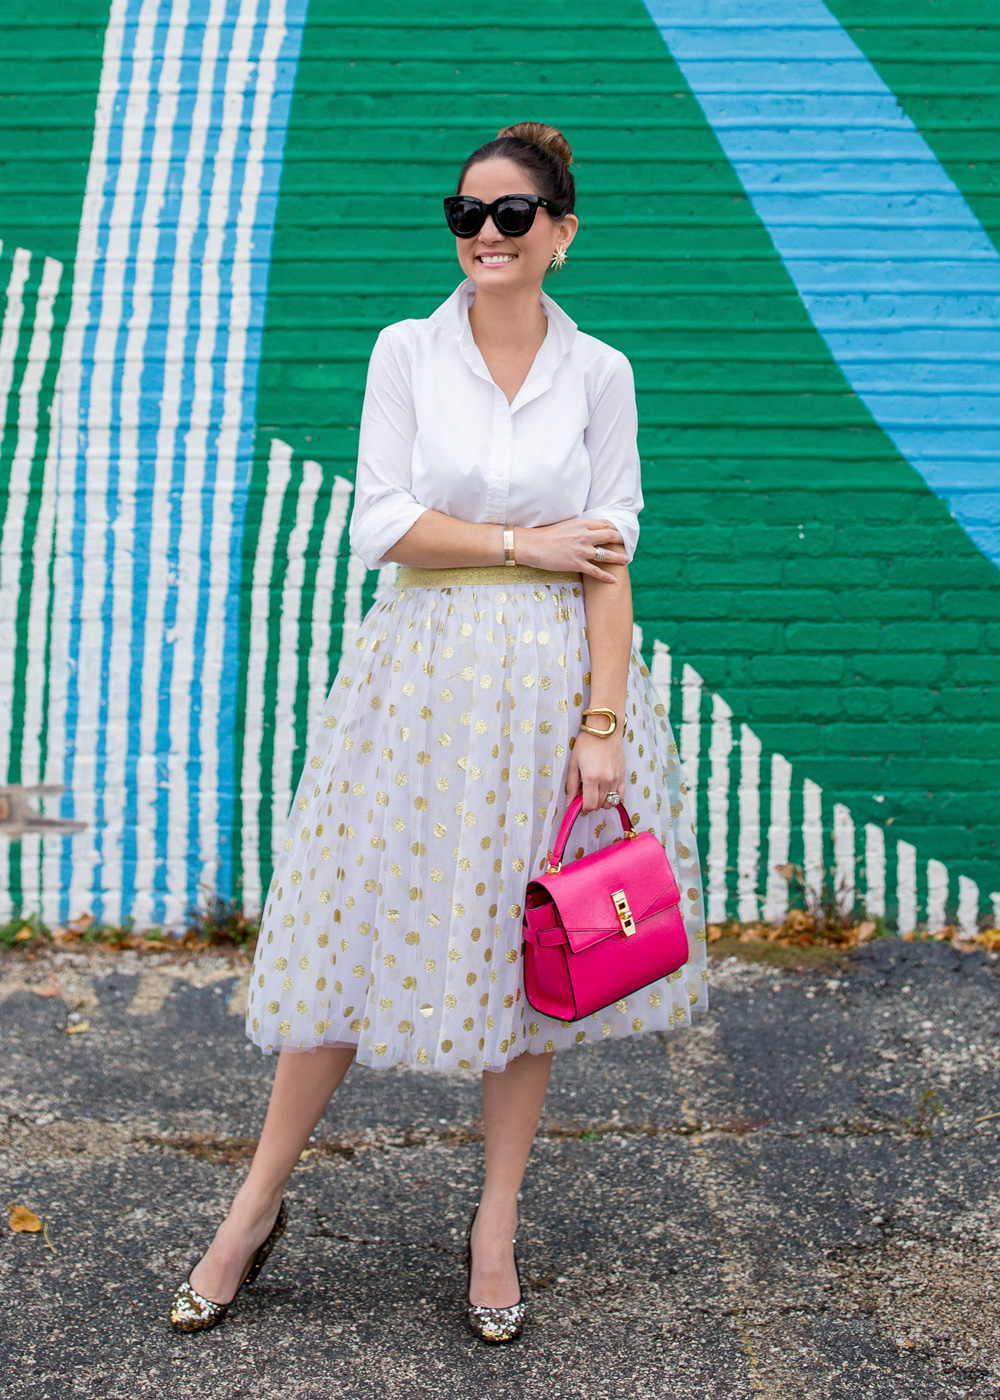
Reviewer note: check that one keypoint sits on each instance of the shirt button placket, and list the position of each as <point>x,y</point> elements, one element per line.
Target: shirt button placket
<point>501,440</point>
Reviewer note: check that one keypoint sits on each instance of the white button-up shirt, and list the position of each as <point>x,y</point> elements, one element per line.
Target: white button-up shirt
<point>438,433</point>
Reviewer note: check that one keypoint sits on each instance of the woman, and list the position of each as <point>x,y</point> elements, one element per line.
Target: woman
<point>497,444</point>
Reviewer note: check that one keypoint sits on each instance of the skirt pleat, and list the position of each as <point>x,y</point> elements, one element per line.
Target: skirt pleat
<point>431,793</point>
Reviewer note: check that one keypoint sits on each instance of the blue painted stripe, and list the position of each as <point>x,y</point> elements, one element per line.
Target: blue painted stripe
<point>898,275</point>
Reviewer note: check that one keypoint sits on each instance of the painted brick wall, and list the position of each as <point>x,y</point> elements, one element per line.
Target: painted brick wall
<point>789,227</point>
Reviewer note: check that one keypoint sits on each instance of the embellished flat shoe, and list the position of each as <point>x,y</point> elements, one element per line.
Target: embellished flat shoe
<point>190,1311</point>
<point>493,1324</point>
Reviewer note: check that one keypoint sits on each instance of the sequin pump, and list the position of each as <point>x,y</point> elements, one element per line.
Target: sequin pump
<point>493,1324</point>
<point>190,1311</point>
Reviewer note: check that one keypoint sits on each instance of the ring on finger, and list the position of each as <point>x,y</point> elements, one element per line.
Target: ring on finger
<point>614,798</point>
<point>599,554</point>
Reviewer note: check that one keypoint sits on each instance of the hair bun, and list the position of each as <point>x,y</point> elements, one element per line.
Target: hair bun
<point>548,137</point>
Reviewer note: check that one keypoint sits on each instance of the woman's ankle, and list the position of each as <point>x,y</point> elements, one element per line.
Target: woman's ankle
<point>499,1211</point>
<point>254,1201</point>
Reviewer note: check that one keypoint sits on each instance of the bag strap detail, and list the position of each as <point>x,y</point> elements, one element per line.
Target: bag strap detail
<point>572,812</point>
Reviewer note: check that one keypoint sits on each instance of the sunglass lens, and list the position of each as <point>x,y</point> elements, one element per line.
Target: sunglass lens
<point>514,216</point>
<point>465,217</point>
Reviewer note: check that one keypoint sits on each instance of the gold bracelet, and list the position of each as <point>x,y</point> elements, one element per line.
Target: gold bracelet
<point>508,544</point>
<point>600,710</point>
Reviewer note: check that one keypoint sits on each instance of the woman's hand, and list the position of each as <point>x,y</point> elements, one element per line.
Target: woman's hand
<point>570,545</point>
<point>597,767</point>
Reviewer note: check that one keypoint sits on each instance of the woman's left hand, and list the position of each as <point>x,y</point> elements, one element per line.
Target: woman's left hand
<point>596,767</point>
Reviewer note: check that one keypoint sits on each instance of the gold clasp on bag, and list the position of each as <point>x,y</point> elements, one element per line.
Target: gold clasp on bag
<point>624,912</point>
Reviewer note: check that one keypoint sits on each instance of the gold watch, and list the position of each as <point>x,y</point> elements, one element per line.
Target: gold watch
<point>600,710</point>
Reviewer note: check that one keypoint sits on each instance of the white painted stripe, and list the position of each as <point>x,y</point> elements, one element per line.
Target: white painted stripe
<point>59,742</point>
<point>279,475</point>
<point>101,413</point>
<point>906,886</point>
<point>162,506</point>
<point>287,689</point>
<point>748,853</point>
<point>691,685</point>
<point>36,895</point>
<point>12,541</point>
<point>661,671</point>
<point>812,842</point>
<point>196,453</point>
<point>720,747</point>
<point>844,871</point>
<point>995,901</point>
<point>779,833</point>
<point>129,403</point>
<point>9,340</point>
<point>322,612</point>
<point>874,871</point>
<point>937,895</point>
<point>18,490</point>
<point>11,334</point>
<point>968,906</point>
<point>224,490</point>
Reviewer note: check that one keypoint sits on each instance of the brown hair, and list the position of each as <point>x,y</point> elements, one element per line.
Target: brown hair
<point>541,152</point>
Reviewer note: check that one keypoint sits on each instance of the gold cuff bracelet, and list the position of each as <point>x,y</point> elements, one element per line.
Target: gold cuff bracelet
<point>600,710</point>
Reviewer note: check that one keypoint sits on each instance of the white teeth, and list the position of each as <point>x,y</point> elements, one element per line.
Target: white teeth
<point>496,257</point>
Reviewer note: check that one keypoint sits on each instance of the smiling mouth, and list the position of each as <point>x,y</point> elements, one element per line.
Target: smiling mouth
<point>495,259</point>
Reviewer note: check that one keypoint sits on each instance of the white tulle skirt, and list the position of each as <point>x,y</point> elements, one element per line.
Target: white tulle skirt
<point>431,793</point>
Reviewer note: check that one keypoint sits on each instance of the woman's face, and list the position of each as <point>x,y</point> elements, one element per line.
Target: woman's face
<point>494,260</point>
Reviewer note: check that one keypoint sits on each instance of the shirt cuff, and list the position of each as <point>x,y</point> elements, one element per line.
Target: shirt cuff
<point>382,523</point>
<point>624,521</point>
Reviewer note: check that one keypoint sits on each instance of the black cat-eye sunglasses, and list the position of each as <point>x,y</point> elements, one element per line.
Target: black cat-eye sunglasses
<point>513,214</point>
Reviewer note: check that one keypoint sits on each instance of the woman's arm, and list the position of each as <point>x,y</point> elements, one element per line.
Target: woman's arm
<point>439,541</point>
<point>597,765</point>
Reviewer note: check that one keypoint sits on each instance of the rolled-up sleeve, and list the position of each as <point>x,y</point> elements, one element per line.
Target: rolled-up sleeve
<point>611,440</point>
<point>384,506</point>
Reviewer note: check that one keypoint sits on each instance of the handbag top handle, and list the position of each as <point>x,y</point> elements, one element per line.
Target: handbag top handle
<point>572,812</point>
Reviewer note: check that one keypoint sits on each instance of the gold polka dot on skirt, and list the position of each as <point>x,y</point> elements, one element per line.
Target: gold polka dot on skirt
<point>431,793</point>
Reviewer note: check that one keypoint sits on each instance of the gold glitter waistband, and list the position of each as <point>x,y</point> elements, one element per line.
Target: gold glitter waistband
<point>409,576</point>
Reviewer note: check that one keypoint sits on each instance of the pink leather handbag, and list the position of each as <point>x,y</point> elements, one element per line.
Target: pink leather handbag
<point>603,926</point>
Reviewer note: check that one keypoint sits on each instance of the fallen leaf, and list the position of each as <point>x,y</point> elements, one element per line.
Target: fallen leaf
<point>23,934</point>
<point>22,1219</point>
<point>78,1028</point>
<point>80,924</point>
<point>988,938</point>
<point>45,991</point>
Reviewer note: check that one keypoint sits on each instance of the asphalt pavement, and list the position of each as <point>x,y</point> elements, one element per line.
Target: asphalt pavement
<point>791,1199</point>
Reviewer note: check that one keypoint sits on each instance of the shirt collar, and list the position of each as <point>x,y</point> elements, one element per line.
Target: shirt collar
<point>452,316</point>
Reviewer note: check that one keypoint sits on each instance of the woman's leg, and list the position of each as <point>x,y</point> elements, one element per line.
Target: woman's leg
<point>304,1083</point>
<point>512,1106</point>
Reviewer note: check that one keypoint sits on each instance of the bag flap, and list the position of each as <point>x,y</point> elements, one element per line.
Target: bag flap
<point>581,891</point>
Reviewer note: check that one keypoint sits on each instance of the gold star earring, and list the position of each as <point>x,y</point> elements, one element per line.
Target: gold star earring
<point>558,257</point>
